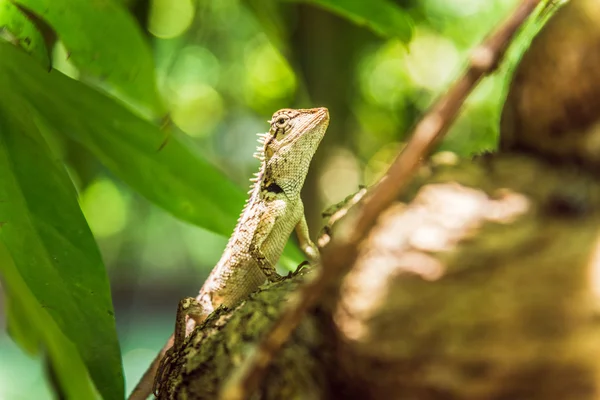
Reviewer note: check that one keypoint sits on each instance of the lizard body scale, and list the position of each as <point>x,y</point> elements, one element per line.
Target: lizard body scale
<point>273,210</point>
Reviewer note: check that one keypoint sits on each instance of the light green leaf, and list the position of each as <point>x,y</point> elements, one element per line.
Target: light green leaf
<point>382,16</point>
<point>58,274</point>
<point>16,28</point>
<point>103,40</point>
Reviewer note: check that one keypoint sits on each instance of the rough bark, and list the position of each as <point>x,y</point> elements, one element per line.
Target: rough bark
<point>217,346</point>
<point>481,282</point>
<point>484,284</point>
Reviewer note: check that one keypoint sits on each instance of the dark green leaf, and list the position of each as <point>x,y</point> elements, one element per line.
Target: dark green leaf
<point>104,41</point>
<point>58,271</point>
<point>382,16</point>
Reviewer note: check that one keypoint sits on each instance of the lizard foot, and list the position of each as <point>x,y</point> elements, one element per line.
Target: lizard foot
<point>299,268</point>
<point>188,307</point>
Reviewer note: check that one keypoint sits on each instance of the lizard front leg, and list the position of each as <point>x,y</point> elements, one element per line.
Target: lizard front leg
<point>270,212</point>
<point>264,264</point>
<point>306,245</point>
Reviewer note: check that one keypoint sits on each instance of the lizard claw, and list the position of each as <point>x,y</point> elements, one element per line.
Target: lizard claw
<point>298,269</point>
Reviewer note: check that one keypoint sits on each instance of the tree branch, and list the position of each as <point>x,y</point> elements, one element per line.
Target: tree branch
<point>339,255</point>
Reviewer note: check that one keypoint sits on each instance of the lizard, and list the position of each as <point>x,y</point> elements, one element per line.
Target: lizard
<point>273,210</point>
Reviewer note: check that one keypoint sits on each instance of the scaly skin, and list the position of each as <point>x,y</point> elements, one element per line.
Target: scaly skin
<point>272,212</point>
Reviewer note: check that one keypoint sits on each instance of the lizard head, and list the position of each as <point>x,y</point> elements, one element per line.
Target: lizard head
<point>290,145</point>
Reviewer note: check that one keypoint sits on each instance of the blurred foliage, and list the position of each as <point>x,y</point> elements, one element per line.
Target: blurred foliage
<point>382,16</point>
<point>159,100</point>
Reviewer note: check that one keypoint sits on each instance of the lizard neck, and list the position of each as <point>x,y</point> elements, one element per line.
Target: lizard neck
<point>256,192</point>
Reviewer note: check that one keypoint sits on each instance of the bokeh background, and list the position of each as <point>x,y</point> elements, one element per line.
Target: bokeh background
<point>223,67</point>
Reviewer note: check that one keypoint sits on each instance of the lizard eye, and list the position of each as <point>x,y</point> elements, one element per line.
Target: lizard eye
<point>282,121</point>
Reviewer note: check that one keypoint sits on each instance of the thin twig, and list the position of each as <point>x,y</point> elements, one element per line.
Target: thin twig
<point>340,254</point>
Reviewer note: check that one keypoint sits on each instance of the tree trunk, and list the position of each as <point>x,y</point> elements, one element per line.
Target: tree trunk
<point>483,285</point>
<point>483,282</point>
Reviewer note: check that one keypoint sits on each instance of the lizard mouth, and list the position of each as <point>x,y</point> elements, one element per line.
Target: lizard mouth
<point>320,116</point>
<point>322,113</point>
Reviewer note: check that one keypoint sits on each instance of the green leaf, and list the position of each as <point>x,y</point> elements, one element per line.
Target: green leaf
<point>58,274</point>
<point>16,28</point>
<point>24,311</point>
<point>381,16</point>
<point>104,41</point>
<point>159,167</point>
